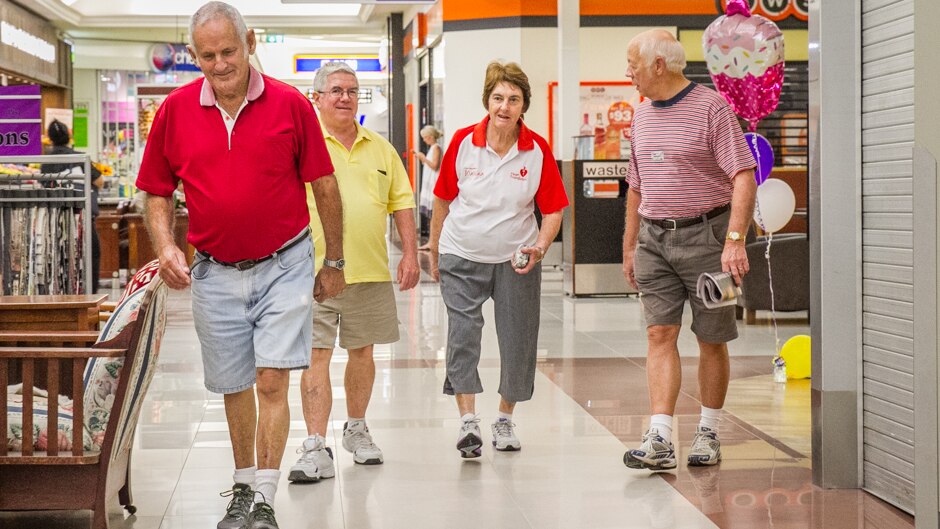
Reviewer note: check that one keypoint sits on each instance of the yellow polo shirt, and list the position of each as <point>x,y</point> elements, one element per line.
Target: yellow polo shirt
<point>372,184</point>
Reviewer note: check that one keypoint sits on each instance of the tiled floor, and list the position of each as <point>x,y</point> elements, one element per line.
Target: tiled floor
<point>590,401</point>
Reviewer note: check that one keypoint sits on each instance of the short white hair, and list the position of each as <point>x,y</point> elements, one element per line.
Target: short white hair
<point>214,10</point>
<point>328,69</point>
<point>660,43</point>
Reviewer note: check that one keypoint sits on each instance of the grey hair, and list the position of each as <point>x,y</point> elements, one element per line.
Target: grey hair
<point>660,43</point>
<point>214,10</point>
<point>431,130</point>
<point>326,70</point>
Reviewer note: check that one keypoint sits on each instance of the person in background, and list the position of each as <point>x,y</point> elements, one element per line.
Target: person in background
<point>690,202</point>
<point>431,164</point>
<point>58,134</point>
<point>493,175</point>
<point>373,184</point>
<point>244,144</point>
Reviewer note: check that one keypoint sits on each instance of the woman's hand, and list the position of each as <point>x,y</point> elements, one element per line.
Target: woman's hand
<point>536,254</point>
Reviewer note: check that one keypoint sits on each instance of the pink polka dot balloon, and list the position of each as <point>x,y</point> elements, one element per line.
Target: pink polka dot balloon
<point>744,54</point>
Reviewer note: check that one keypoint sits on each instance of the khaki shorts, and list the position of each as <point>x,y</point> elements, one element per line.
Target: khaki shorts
<point>363,313</point>
<point>667,266</point>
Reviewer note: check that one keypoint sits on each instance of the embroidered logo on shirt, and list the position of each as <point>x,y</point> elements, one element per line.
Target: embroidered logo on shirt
<point>471,171</point>
<point>520,175</point>
<point>658,156</point>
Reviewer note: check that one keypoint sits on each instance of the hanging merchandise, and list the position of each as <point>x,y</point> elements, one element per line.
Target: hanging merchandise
<point>44,245</point>
<point>744,54</point>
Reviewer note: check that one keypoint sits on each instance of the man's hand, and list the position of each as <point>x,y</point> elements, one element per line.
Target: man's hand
<point>173,269</point>
<point>328,284</point>
<point>734,260</point>
<point>629,271</point>
<point>432,267</point>
<point>536,255</point>
<point>409,272</point>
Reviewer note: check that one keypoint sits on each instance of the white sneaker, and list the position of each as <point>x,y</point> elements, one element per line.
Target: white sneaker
<point>358,440</point>
<point>469,439</point>
<point>504,437</point>
<point>315,463</point>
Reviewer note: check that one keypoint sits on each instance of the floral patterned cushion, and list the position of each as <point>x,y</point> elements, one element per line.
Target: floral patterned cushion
<point>101,374</point>
<point>40,413</point>
<point>141,279</point>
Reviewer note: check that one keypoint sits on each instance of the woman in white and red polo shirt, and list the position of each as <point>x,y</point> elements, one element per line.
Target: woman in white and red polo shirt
<point>493,175</point>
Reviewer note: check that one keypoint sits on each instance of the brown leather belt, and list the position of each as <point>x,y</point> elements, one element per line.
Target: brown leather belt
<point>248,264</point>
<point>674,224</point>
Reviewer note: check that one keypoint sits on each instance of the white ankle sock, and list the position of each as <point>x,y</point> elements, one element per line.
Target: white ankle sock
<point>663,424</point>
<point>266,483</point>
<point>245,476</point>
<point>503,416</point>
<point>467,417</point>
<point>711,418</point>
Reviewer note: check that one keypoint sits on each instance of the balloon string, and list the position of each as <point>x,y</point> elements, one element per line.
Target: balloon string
<point>770,277</point>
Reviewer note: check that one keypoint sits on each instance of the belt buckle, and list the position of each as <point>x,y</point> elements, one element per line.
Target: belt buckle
<point>247,264</point>
<point>675,225</point>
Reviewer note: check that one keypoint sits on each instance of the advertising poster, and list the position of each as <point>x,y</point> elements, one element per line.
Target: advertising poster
<point>20,121</point>
<point>606,110</point>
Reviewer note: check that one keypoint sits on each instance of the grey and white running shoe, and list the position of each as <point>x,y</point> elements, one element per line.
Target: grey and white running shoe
<point>239,507</point>
<point>315,463</point>
<point>504,436</point>
<point>654,454</point>
<point>358,441</point>
<point>469,439</point>
<point>706,449</point>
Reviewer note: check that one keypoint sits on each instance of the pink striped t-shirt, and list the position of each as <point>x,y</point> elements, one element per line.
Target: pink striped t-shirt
<point>686,152</point>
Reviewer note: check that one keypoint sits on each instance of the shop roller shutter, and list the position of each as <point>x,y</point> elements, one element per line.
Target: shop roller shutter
<point>887,249</point>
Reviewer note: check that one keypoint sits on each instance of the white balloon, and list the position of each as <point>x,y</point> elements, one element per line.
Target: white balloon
<point>775,205</point>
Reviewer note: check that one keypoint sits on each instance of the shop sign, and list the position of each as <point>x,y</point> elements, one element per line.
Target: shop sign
<point>28,44</point>
<point>20,123</point>
<point>774,9</point>
<point>165,56</point>
<point>358,62</point>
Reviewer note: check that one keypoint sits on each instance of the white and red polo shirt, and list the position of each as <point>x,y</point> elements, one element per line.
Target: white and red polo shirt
<point>686,152</point>
<point>243,175</point>
<point>493,199</point>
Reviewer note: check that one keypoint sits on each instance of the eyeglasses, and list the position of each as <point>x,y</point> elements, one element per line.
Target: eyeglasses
<point>337,93</point>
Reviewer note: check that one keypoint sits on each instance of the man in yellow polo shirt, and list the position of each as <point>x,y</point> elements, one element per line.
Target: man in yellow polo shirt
<point>373,184</point>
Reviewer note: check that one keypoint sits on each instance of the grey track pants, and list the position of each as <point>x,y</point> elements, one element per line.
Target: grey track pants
<point>465,286</point>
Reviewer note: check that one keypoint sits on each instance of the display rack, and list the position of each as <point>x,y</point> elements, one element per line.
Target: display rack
<point>18,190</point>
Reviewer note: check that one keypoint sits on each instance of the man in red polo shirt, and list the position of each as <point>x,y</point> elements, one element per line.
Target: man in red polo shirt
<point>243,145</point>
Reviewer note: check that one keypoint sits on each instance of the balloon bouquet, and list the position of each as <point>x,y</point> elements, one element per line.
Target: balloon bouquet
<point>744,54</point>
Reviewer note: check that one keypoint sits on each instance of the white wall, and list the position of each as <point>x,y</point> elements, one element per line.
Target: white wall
<point>111,55</point>
<point>603,57</point>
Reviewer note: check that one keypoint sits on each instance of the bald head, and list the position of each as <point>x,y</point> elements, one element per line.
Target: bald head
<point>658,43</point>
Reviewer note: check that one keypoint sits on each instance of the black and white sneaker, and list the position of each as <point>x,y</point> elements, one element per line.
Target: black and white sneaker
<point>470,440</point>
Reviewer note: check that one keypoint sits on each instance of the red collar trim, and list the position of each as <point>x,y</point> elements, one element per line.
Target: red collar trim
<point>526,141</point>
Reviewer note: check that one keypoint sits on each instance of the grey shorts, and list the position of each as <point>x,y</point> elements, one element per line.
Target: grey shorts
<point>667,266</point>
<point>363,314</point>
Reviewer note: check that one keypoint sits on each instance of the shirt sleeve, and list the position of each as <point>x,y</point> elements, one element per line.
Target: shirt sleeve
<point>550,196</point>
<point>728,143</point>
<point>400,194</point>
<point>314,159</point>
<point>633,171</point>
<point>446,187</point>
<point>156,176</point>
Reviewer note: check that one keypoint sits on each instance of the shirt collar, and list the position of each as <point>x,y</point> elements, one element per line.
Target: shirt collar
<point>360,133</point>
<point>526,141</point>
<point>255,88</point>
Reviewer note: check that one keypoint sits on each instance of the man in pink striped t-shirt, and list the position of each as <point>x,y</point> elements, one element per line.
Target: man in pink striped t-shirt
<point>690,201</point>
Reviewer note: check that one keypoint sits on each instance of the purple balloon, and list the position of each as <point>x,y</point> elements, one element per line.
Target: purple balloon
<point>763,155</point>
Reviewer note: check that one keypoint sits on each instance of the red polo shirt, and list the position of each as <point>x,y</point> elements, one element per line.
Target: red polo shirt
<point>245,193</point>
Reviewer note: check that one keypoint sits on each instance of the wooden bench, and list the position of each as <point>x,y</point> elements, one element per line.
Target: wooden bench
<point>79,477</point>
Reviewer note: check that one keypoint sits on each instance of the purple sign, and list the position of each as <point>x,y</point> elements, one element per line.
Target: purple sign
<point>20,121</point>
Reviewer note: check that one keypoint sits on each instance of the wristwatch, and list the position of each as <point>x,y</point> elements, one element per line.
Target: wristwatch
<point>339,264</point>
<point>733,236</point>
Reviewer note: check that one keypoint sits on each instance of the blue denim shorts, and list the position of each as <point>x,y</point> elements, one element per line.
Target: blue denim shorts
<point>261,317</point>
